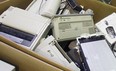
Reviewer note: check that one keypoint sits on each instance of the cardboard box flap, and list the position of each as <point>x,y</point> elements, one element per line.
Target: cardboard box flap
<point>101,10</point>
<point>29,52</point>
<point>4,4</point>
<point>23,61</point>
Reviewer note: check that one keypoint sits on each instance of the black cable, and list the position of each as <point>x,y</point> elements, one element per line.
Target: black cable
<point>64,8</point>
<point>112,48</point>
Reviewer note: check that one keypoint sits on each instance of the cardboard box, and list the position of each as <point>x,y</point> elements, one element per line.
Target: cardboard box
<point>101,10</point>
<point>4,4</point>
<point>24,59</point>
<point>113,3</point>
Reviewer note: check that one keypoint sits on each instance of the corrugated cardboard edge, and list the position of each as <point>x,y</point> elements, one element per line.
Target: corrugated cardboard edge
<point>29,52</point>
<point>4,1</point>
<point>23,61</point>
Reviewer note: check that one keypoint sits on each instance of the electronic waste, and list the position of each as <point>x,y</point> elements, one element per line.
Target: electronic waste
<point>108,27</point>
<point>52,50</point>
<point>96,54</point>
<point>68,27</point>
<point>50,8</point>
<point>34,6</point>
<point>23,27</point>
<point>4,66</point>
<point>74,5</point>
